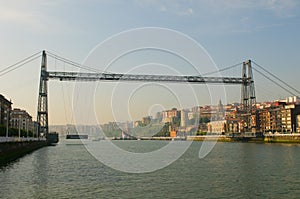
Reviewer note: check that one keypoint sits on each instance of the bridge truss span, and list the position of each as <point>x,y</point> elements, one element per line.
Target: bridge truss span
<point>74,76</point>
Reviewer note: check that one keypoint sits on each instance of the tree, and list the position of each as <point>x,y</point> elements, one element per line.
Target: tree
<point>164,131</point>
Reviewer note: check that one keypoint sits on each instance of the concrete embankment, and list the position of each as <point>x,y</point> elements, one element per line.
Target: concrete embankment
<point>10,151</point>
<point>209,138</point>
<point>282,138</point>
<point>272,138</point>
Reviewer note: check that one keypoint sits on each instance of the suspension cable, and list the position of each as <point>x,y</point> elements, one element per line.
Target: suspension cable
<point>20,64</point>
<point>277,78</point>
<point>223,69</point>
<point>75,64</point>
<point>67,61</point>
<point>273,81</point>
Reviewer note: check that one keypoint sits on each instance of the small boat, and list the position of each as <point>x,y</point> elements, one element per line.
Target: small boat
<point>76,136</point>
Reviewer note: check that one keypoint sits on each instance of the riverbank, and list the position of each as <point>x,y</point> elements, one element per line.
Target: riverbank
<point>269,138</point>
<point>10,151</point>
<point>282,138</point>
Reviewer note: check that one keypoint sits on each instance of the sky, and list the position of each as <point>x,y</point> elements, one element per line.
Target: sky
<point>229,31</point>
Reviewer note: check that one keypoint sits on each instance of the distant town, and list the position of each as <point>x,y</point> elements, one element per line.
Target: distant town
<point>277,117</point>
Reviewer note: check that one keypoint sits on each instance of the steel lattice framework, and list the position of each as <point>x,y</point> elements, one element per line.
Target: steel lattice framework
<point>248,98</point>
<point>42,113</point>
<point>73,76</point>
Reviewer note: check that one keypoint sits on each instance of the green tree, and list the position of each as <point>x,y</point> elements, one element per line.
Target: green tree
<point>164,131</point>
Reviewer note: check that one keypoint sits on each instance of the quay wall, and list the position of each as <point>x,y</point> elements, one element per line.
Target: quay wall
<point>272,138</point>
<point>10,151</point>
<point>282,138</point>
<point>279,138</point>
<point>209,138</point>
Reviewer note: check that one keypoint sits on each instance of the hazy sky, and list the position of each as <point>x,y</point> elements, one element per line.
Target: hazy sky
<point>231,31</point>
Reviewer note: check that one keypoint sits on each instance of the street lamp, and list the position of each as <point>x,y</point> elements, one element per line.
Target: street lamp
<point>19,131</point>
<point>7,122</point>
<point>26,126</point>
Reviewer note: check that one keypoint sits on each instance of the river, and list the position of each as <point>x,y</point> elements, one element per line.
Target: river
<point>230,170</point>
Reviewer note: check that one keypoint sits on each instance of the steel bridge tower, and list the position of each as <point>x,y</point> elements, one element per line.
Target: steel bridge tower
<point>248,98</point>
<point>42,114</point>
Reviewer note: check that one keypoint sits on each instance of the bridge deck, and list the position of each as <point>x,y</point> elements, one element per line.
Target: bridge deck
<point>69,76</point>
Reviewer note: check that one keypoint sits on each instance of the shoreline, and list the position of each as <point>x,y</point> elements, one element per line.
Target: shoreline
<point>280,138</point>
<point>272,138</point>
<point>11,151</point>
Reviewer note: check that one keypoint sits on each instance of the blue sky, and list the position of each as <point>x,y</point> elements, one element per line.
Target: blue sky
<point>231,31</point>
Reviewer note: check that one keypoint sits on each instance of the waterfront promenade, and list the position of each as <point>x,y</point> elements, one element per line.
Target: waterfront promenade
<point>21,139</point>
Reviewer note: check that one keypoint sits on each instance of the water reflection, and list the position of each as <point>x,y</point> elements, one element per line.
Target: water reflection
<point>231,170</point>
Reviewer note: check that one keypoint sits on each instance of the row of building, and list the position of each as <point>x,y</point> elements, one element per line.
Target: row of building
<point>14,117</point>
<point>282,116</point>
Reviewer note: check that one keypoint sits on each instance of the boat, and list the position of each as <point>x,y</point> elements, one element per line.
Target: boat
<point>77,136</point>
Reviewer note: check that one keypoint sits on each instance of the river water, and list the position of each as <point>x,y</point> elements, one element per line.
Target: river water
<point>230,170</point>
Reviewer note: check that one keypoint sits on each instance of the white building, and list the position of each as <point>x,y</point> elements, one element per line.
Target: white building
<point>184,118</point>
<point>216,127</point>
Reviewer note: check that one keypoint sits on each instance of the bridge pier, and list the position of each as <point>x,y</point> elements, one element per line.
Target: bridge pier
<point>248,98</point>
<point>42,113</point>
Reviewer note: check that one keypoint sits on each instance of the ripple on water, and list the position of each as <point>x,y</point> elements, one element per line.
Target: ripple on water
<point>231,170</point>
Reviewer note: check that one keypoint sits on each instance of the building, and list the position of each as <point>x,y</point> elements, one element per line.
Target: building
<point>111,126</point>
<point>169,115</point>
<point>291,100</point>
<point>264,120</point>
<point>254,121</point>
<point>184,121</point>
<point>158,116</point>
<point>234,125</point>
<point>217,127</point>
<point>21,119</point>
<point>146,120</point>
<point>5,109</point>
<point>269,117</point>
<point>206,112</point>
<point>280,116</point>
<point>298,123</point>
<point>275,118</point>
<point>290,118</point>
<point>220,112</point>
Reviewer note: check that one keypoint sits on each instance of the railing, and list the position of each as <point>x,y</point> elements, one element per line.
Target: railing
<point>21,139</point>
